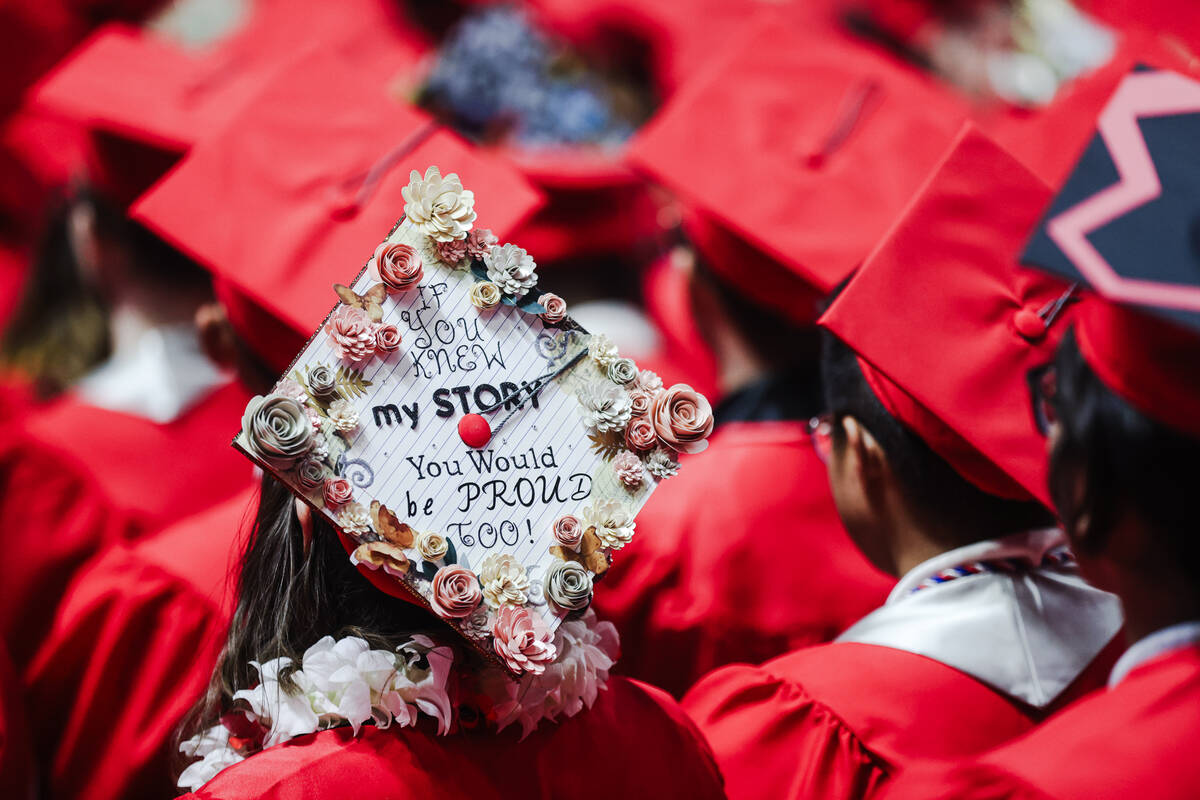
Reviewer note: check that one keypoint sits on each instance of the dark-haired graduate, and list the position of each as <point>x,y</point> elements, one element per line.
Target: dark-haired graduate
<point>133,437</point>
<point>744,557</point>
<point>938,472</point>
<point>1123,403</point>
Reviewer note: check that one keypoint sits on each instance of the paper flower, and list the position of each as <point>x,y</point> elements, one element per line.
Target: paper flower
<point>289,388</point>
<point>649,382</point>
<point>605,407</point>
<point>352,333</point>
<point>440,207</point>
<point>639,434</point>
<point>452,253</point>
<point>432,546</point>
<point>337,491</point>
<point>379,555</point>
<point>322,381</point>
<point>510,268</point>
<point>387,338</point>
<point>504,581</point>
<point>456,593</point>
<point>568,585</point>
<point>479,242</point>
<point>311,473</point>
<point>568,531</point>
<point>556,308</point>
<point>522,640</point>
<point>602,350</point>
<point>628,468</point>
<point>343,415</point>
<point>640,401</point>
<point>622,371</point>
<point>397,266</point>
<point>662,463</point>
<point>485,295</point>
<point>354,519</point>
<point>276,429</point>
<point>682,418</point>
<point>614,526</point>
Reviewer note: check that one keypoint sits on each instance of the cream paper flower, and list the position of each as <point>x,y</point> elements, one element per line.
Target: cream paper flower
<point>440,207</point>
<point>614,526</point>
<point>354,519</point>
<point>504,581</point>
<point>343,415</point>
<point>622,371</point>
<point>606,407</point>
<point>511,268</point>
<point>484,295</point>
<point>602,350</point>
<point>662,463</point>
<point>277,430</point>
<point>432,545</point>
<point>568,585</point>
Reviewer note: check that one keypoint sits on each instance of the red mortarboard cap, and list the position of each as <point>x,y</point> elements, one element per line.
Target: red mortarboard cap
<point>806,147</point>
<point>282,200</point>
<point>948,328</point>
<point>1127,224</point>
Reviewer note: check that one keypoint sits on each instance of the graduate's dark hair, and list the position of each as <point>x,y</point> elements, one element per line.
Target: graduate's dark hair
<point>957,509</point>
<point>289,595</point>
<point>1110,459</point>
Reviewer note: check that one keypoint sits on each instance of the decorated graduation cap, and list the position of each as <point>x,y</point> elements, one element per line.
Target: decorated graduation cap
<point>810,146</point>
<point>285,195</point>
<point>478,453</point>
<point>1126,224</point>
<point>946,325</point>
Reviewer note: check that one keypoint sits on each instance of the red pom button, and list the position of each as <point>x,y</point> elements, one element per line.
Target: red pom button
<point>1029,324</point>
<point>474,430</point>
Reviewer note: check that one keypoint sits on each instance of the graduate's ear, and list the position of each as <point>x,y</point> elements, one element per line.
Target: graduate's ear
<point>868,458</point>
<point>216,334</point>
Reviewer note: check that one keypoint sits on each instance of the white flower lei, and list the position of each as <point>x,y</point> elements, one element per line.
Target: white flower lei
<point>344,681</point>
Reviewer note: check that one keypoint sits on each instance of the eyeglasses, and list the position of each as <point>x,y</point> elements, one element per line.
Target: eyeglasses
<point>820,431</point>
<point>1043,397</point>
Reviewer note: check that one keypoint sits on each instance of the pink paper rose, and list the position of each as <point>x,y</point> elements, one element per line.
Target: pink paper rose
<point>397,266</point>
<point>337,491</point>
<point>568,531</point>
<point>556,308</point>
<point>682,418</point>
<point>456,592</point>
<point>387,338</point>
<point>522,640</point>
<point>641,400</point>
<point>640,435</point>
<point>352,333</point>
<point>480,241</point>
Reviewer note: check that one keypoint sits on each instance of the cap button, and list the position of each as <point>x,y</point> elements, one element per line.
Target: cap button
<point>1030,324</point>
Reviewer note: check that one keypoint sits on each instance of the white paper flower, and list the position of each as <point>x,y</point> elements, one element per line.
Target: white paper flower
<point>504,580</point>
<point>661,463</point>
<point>440,207</point>
<point>622,371</point>
<point>343,415</point>
<point>612,521</point>
<point>510,268</point>
<point>606,407</point>
<point>602,351</point>
<point>354,519</point>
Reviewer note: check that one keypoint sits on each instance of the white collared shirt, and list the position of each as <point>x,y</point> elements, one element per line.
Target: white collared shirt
<point>162,376</point>
<point>1167,640</point>
<point>1028,633</point>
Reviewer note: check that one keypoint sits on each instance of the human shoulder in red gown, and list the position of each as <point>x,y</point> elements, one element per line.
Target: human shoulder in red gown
<point>1137,739</point>
<point>95,467</point>
<point>595,754</point>
<point>132,647</point>
<point>733,564</point>
<point>942,671</point>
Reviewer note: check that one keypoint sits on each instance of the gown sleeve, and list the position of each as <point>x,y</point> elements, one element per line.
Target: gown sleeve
<point>772,739</point>
<point>132,648</point>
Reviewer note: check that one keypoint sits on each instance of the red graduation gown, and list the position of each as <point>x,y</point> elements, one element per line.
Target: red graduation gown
<point>634,742</point>
<point>133,647</point>
<point>74,477</point>
<point>16,762</point>
<point>836,721</point>
<point>1135,740</point>
<point>739,557</point>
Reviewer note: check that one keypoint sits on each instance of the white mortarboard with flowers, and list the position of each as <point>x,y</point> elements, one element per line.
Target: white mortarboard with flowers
<point>479,453</point>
